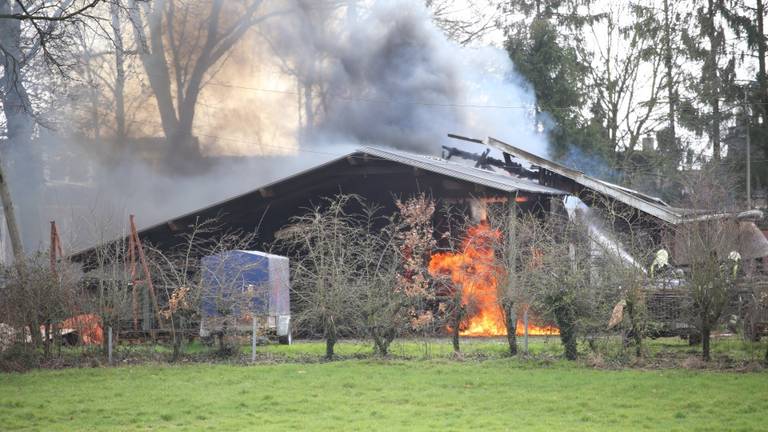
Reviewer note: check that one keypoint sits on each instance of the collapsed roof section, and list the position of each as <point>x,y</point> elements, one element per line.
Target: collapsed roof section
<point>575,182</point>
<point>752,243</point>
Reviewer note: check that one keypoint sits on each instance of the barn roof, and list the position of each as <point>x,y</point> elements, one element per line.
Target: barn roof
<point>648,204</point>
<point>384,170</point>
<point>502,182</point>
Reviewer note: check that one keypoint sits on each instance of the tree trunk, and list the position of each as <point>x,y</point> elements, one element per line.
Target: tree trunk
<point>330,342</point>
<point>510,319</point>
<point>156,67</point>
<point>35,334</point>
<point>456,317</point>
<point>455,338</point>
<point>10,221</point>
<point>713,75</point>
<point>705,335</point>
<point>508,298</point>
<point>567,323</point>
<point>382,347</point>
<point>382,341</point>
<point>635,332</point>
<point>669,69</point>
<point>119,90</point>
<point>47,340</point>
<point>26,169</point>
<point>762,79</point>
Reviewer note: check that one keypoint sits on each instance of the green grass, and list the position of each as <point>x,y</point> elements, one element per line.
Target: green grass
<point>439,394</point>
<point>415,348</point>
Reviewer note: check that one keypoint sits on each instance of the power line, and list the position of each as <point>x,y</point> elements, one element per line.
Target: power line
<point>379,101</point>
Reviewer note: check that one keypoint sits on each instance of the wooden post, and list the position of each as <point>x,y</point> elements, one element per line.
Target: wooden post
<point>55,251</point>
<point>525,335</point>
<point>52,252</point>
<point>109,344</point>
<point>253,339</point>
<point>145,267</point>
<point>510,297</point>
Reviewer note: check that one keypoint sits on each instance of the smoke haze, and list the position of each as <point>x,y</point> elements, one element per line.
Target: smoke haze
<point>301,88</point>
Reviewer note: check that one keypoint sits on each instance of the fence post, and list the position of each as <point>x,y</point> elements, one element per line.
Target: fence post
<point>109,344</point>
<point>525,326</point>
<point>253,339</point>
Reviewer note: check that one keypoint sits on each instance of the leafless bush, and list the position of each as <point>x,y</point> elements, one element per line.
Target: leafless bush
<point>112,291</point>
<point>381,304</point>
<point>455,270</point>
<point>563,284</point>
<point>200,273</point>
<point>358,271</point>
<point>34,299</point>
<point>706,242</point>
<point>623,249</point>
<point>397,294</point>
<point>323,246</point>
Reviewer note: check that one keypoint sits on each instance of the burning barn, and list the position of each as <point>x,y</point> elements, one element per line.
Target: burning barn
<point>379,175</point>
<point>376,174</point>
<point>536,185</point>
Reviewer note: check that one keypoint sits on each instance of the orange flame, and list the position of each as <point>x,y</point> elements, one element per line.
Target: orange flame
<point>475,271</point>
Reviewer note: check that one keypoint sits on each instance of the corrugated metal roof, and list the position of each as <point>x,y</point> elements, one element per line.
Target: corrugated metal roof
<point>503,182</point>
<point>651,205</point>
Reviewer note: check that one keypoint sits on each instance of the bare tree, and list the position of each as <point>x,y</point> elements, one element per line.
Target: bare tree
<point>180,45</point>
<point>622,247</point>
<point>324,274</point>
<point>382,305</point>
<point>564,287</point>
<point>42,11</point>
<point>517,252</point>
<point>397,295</point>
<point>707,243</point>
<point>465,23</point>
<point>106,66</point>
<point>465,270</point>
<point>35,37</point>
<point>202,272</point>
<point>38,298</point>
<point>111,280</point>
<point>627,75</point>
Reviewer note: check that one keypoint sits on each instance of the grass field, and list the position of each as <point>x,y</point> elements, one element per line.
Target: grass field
<point>367,394</point>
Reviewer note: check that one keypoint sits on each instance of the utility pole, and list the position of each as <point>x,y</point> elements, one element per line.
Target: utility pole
<point>749,156</point>
<point>17,247</point>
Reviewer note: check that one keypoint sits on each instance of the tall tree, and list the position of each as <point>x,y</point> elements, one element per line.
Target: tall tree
<point>34,41</point>
<point>548,51</point>
<point>747,20</point>
<point>706,44</point>
<point>626,74</point>
<point>19,123</point>
<point>180,43</point>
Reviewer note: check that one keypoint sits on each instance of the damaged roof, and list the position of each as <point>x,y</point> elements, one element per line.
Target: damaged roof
<point>438,165</point>
<point>646,203</point>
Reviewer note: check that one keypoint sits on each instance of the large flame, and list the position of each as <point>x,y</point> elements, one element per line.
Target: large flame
<point>475,271</point>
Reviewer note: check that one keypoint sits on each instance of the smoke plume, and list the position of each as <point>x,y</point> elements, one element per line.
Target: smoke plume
<point>304,86</point>
<point>390,77</point>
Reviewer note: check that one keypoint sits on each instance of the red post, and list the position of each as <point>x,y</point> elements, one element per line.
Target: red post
<point>55,250</point>
<point>145,268</point>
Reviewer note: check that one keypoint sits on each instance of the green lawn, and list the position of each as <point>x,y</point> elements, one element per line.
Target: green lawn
<point>438,394</point>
